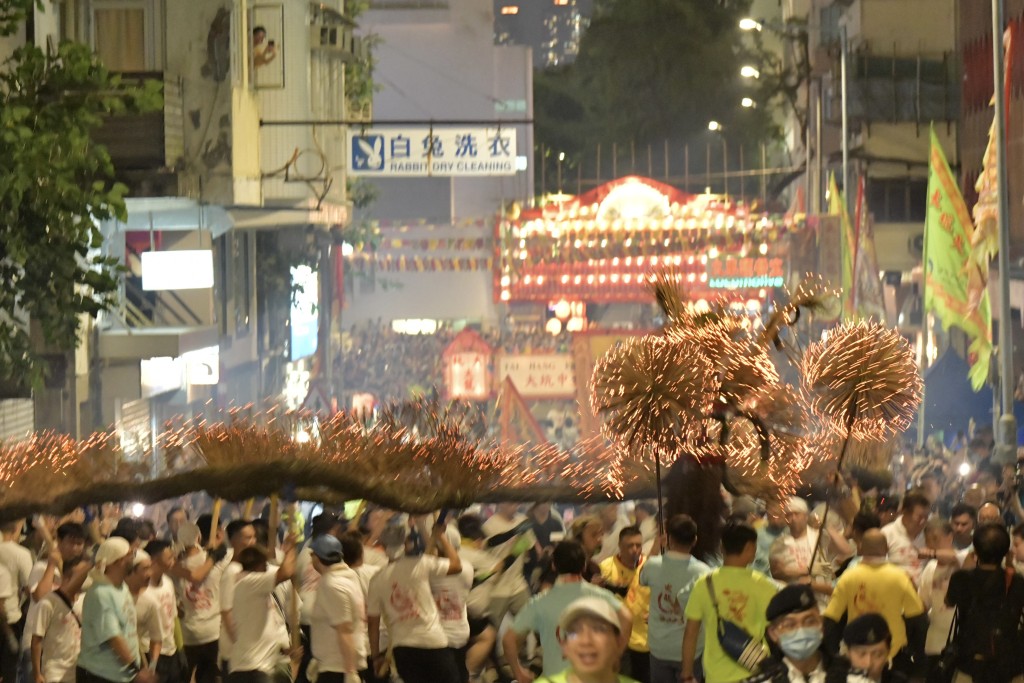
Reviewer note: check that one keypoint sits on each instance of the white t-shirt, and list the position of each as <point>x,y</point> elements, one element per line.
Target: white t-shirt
<point>400,595</point>
<point>229,572</point>
<point>339,600</point>
<point>258,622</point>
<point>512,581</point>
<point>479,601</point>
<point>375,557</point>
<point>364,573</point>
<point>165,600</point>
<point>200,603</point>
<point>8,591</point>
<point>934,584</point>
<point>451,593</point>
<point>61,632</point>
<point>309,579</point>
<point>147,622</point>
<point>34,577</point>
<point>903,549</point>
<point>18,561</point>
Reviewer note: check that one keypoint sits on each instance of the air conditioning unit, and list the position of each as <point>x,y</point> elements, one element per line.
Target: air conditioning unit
<point>332,38</point>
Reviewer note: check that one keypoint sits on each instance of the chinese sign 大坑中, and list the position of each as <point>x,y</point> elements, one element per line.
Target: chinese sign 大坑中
<point>540,375</point>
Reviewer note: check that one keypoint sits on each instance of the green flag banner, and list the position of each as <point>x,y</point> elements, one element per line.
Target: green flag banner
<point>954,286</point>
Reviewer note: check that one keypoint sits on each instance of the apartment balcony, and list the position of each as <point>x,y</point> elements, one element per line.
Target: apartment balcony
<point>167,304</point>
<point>147,149</point>
<point>886,89</point>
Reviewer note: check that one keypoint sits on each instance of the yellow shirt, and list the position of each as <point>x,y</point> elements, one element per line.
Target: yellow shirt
<point>743,596</point>
<point>882,588</point>
<point>637,600</point>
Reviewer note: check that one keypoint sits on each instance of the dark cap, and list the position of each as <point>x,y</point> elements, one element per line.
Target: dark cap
<point>327,548</point>
<point>792,598</point>
<point>867,629</point>
<point>471,527</point>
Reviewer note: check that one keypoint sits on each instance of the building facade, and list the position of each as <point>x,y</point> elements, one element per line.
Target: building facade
<point>248,143</point>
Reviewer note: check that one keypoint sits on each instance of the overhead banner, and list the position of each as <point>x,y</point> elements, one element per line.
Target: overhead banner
<point>431,151</point>
<point>548,375</point>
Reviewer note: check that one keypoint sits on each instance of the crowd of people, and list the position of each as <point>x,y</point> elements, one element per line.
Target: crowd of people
<point>860,586</point>
<point>391,365</point>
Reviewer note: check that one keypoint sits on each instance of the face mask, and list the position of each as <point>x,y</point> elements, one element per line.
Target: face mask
<point>801,643</point>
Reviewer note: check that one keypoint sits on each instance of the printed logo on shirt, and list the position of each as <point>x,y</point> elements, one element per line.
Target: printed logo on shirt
<point>449,607</point>
<point>403,602</point>
<point>198,596</point>
<point>863,601</point>
<point>736,604</point>
<point>669,610</point>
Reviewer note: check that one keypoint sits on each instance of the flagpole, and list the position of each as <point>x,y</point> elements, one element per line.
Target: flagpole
<point>925,328</point>
<point>1008,424</point>
<point>844,46</point>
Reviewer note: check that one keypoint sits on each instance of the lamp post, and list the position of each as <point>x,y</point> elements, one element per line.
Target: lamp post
<point>716,127</point>
<point>1007,423</point>
<point>561,158</point>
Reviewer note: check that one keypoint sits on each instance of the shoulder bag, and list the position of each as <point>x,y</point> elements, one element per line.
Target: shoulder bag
<point>734,639</point>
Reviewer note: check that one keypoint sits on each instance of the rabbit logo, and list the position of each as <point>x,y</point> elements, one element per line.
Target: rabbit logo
<point>368,152</point>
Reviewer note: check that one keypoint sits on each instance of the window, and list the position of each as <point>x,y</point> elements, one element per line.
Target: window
<point>897,200</point>
<point>829,17</point>
<point>126,35</point>
<point>510,9</point>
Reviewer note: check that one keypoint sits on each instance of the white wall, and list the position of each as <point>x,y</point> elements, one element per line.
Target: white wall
<point>435,65</point>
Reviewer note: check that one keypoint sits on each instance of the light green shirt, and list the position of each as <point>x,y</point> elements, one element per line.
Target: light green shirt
<point>743,596</point>
<point>563,677</point>
<point>542,612</point>
<point>107,612</point>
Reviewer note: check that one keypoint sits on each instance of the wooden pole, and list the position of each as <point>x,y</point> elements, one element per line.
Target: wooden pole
<point>275,522</point>
<point>214,521</point>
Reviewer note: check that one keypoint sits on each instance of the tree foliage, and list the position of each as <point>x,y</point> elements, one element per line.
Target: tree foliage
<point>650,71</point>
<point>55,185</point>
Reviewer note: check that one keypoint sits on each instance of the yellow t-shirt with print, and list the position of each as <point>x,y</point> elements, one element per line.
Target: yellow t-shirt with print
<point>882,588</point>
<point>637,600</point>
<point>743,596</point>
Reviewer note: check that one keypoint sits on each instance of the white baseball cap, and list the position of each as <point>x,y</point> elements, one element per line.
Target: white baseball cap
<point>590,607</point>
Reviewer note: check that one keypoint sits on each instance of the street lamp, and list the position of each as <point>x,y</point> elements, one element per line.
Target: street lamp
<point>748,103</point>
<point>748,24</point>
<point>561,158</point>
<point>748,71</point>
<point>716,127</point>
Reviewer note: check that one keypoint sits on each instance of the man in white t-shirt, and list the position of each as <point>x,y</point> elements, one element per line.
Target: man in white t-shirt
<point>451,592</point>
<point>45,577</point>
<point>308,579</point>
<point>793,551</point>
<point>905,534</point>
<point>147,611</point>
<point>258,620</point>
<point>508,538</point>
<point>169,668</point>
<point>8,639</point>
<point>57,631</point>
<point>241,535</point>
<point>352,549</point>
<point>400,595</point>
<point>338,621</point>
<point>199,572</point>
<point>18,561</point>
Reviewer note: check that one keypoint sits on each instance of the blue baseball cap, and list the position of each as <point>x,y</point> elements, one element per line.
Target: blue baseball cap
<point>327,548</point>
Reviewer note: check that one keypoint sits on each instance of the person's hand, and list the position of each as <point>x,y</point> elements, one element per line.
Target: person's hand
<point>218,553</point>
<point>525,676</point>
<point>39,678</point>
<point>146,675</point>
<point>380,666</point>
<point>54,557</point>
<point>290,541</point>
